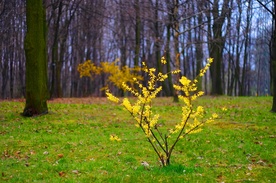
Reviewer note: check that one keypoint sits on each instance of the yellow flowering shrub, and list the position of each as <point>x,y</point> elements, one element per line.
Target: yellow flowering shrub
<point>163,140</point>
<point>116,74</point>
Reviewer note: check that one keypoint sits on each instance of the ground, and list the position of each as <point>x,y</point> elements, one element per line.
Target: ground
<point>72,143</point>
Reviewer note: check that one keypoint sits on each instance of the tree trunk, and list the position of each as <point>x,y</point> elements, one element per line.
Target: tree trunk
<point>273,69</point>
<point>36,60</point>
<point>137,32</point>
<point>273,59</point>
<point>168,59</point>
<point>199,49</point>
<point>55,47</point>
<point>216,53</point>
<point>176,45</point>
<point>242,91</point>
<point>158,47</point>
<point>216,44</point>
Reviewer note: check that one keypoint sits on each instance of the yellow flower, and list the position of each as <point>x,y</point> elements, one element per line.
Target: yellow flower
<point>224,109</point>
<point>154,120</point>
<point>176,71</point>
<point>185,100</point>
<point>171,131</point>
<point>215,115</point>
<point>200,110</point>
<point>184,81</point>
<point>136,109</point>
<point>200,93</point>
<point>210,60</point>
<point>210,120</point>
<point>163,60</point>
<point>127,105</point>
<point>111,97</point>
<point>193,131</point>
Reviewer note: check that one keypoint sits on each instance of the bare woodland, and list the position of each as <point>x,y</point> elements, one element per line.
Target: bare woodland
<point>236,33</point>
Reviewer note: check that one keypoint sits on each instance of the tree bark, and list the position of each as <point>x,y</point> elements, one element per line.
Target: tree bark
<point>157,46</point>
<point>216,44</point>
<point>272,52</point>
<point>245,74</point>
<point>199,48</point>
<point>55,83</point>
<point>36,60</point>
<point>137,33</point>
<point>176,45</point>
<point>168,59</point>
<point>273,59</point>
<point>273,68</point>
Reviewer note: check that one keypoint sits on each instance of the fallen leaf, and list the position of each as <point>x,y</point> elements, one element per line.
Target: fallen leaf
<point>262,162</point>
<point>240,146</point>
<point>241,180</point>
<point>104,172</point>
<point>258,142</point>
<point>220,178</point>
<point>145,164</point>
<point>17,154</point>
<point>75,171</point>
<point>6,153</point>
<point>60,155</point>
<point>62,174</point>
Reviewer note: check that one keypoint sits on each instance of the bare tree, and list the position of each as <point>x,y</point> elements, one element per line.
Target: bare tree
<point>272,50</point>
<point>216,40</point>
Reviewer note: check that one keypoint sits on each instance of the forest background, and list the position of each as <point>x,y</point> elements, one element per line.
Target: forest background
<point>236,33</point>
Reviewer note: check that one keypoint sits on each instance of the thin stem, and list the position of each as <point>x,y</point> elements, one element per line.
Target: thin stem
<point>155,149</point>
<point>193,129</point>
<point>157,140</point>
<point>167,150</point>
<point>160,134</point>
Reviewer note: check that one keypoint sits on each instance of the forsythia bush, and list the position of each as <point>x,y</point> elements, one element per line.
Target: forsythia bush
<point>163,141</point>
<point>116,75</point>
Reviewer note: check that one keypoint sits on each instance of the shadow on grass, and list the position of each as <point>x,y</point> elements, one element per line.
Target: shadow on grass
<point>177,169</point>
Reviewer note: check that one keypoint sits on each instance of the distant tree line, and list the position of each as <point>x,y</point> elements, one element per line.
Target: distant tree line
<point>236,33</point>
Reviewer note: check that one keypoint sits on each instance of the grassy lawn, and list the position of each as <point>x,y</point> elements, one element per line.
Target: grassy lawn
<point>71,143</point>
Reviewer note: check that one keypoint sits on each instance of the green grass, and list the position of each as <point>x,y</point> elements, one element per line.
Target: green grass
<point>71,143</point>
